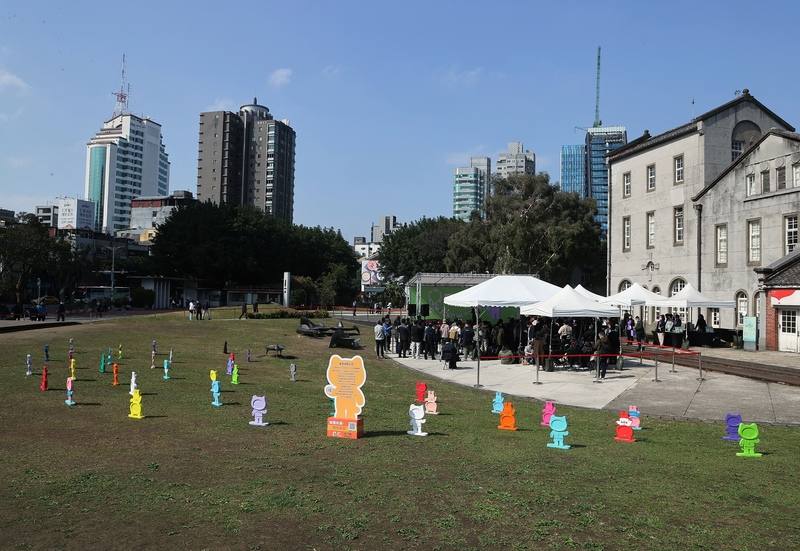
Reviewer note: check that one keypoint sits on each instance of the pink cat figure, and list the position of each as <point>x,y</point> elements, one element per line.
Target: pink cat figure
<point>431,407</point>
<point>548,411</point>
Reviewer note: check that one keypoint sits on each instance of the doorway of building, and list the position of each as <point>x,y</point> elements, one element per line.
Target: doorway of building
<point>788,337</point>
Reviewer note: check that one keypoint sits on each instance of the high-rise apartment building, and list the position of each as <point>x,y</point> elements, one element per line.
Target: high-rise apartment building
<point>471,188</point>
<point>386,226</point>
<point>125,159</point>
<point>517,160</point>
<point>247,158</point>
<point>600,141</point>
<point>573,169</point>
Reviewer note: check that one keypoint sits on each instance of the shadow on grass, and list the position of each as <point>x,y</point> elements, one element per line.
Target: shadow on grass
<point>156,416</point>
<point>177,378</point>
<point>232,404</point>
<point>85,380</point>
<point>149,393</point>
<point>227,391</point>
<point>88,404</point>
<point>371,434</point>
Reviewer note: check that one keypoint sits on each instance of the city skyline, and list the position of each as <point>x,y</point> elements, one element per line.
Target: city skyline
<point>355,107</point>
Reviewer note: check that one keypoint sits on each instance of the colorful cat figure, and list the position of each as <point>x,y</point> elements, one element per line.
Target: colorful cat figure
<point>345,377</point>
<point>235,375</point>
<point>153,359</point>
<point>28,365</point>
<point>421,389</point>
<point>292,372</point>
<point>170,356</point>
<point>43,383</point>
<point>102,367</point>
<point>732,422</point>
<point>416,414</point>
<point>749,438</point>
<point>548,411</point>
<point>109,359</point>
<point>166,370</point>
<point>47,352</point>
<point>154,347</point>
<point>248,355</point>
<point>508,417</point>
<point>119,353</point>
<point>558,430</point>
<point>72,368</point>
<point>216,390</point>
<point>136,405</point>
<point>634,414</point>
<point>72,345</point>
<point>624,432</point>
<point>134,386</point>
<point>70,354</point>
<point>431,407</point>
<point>497,403</point>
<point>70,392</point>
<point>259,405</point>
<point>115,371</point>
<point>229,366</point>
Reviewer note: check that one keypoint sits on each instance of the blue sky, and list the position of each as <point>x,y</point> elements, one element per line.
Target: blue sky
<point>386,97</point>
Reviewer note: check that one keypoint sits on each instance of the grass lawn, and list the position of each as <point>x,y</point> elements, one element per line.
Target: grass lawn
<point>193,477</point>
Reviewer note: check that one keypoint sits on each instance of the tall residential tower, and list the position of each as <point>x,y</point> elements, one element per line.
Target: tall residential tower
<point>247,158</point>
<point>125,159</point>
<point>471,188</point>
<point>517,160</point>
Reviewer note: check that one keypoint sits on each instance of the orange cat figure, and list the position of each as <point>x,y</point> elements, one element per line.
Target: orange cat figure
<point>508,419</point>
<point>346,376</point>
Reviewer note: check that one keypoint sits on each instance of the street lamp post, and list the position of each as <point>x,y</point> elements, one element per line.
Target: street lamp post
<point>38,289</point>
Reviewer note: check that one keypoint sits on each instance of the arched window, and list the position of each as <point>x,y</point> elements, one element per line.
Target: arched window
<point>656,311</point>
<point>745,134</point>
<point>676,287</point>
<point>741,307</point>
<point>623,285</point>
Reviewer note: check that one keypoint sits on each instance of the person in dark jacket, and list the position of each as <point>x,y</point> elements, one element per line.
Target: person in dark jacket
<point>468,341</point>
<point>429,341</point>
<point>613,343</point>
<point>404,337</point>
<point>450,355</point>
<point>602,348</point>
<point>417,333</point>
<point>60,312</point>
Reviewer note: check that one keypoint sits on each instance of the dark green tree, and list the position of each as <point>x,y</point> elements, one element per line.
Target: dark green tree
<point>420,246</point>
<point>470,249</point>
<point>26,250</point>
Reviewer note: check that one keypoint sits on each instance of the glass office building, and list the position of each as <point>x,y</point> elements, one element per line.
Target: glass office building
<point>573,169</point>
<point>600,141</point>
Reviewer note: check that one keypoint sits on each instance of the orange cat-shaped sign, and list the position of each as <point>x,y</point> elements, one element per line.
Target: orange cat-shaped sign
<point>346,376</point>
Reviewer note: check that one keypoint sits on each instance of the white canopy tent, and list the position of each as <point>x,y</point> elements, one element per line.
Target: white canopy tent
<point>689,297</point>
<point>568,302</point>
<point>513,291</point>
<point>588,294</point>
<point>505,290</point>
<point>635,295</point>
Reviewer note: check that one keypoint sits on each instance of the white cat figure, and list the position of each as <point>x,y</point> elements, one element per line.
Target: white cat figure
<point>134,386</point>
<point>417,415</point>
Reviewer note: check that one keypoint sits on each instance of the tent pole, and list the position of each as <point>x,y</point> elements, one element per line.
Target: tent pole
<point>597,355</point>
<point>478,382</point>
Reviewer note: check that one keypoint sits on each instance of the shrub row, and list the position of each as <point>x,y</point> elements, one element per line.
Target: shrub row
<point>281,314</point>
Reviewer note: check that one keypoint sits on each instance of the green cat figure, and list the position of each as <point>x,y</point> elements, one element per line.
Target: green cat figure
<point>748,438</point>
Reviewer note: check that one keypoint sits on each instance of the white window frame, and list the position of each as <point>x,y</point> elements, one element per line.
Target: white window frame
<point>678,165</point>
<point>679,225</point>
<point>626,184</point>
<point>713,316</point>
<point>754,241</point>
<point>651,177</point>
<point>721,240</point>
<point>796,175</point>
<point>676,287</point>
<point>750,185</point>
<point>742,305</point>
<point>651,229</point>
<point>737,148</point>
<point>778,171</point>
<point>626,233</point>
<point>790,233</point>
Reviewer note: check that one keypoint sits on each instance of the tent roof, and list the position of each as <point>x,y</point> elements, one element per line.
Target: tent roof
<point>635,295</point>
<point>689,297</point>
<point>504,290</point>
<point>569,303</point>
<point>588,294</point>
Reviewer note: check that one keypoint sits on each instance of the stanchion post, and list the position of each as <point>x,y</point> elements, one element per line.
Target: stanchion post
<point>536,382</point>
<point>597,372</point>
<point>673,359</point>
<point>700,366</point>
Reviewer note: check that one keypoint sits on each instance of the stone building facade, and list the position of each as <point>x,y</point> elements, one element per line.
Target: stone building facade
<point>668,194</point>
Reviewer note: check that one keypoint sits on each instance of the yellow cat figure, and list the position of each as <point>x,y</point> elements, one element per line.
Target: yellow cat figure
<point>136,405</point>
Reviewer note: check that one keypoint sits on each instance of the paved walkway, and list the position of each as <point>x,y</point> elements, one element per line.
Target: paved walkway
<point>767,357</point>
<point>678,395</point>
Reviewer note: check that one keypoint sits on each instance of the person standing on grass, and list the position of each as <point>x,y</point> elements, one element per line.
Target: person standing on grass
<point>404,337</point>
<point>355,303</point>
<point>380,339</point>
<point>244,311</point>
<point>191,309</point>
<point>417,334</point>
<point>60,312</point>
<point>602,348</point>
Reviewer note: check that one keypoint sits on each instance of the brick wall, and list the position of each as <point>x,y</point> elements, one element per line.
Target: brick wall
<point>771,324</point>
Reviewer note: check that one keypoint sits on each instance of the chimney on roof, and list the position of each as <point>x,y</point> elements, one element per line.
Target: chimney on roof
<point>746,92</point>
<point>646,134</point>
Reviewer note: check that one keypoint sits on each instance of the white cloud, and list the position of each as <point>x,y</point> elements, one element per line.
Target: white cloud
<point>280,77</point>
<point>10,81</point>
<point>332,71</point>
<point>462,77</point>
<point>18,162</point>
<point>222,104</point>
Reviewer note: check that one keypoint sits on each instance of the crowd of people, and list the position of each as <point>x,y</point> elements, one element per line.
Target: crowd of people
<point>567,342</point>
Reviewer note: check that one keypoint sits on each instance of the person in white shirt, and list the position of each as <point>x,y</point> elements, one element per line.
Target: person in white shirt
<point>380,340</point>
